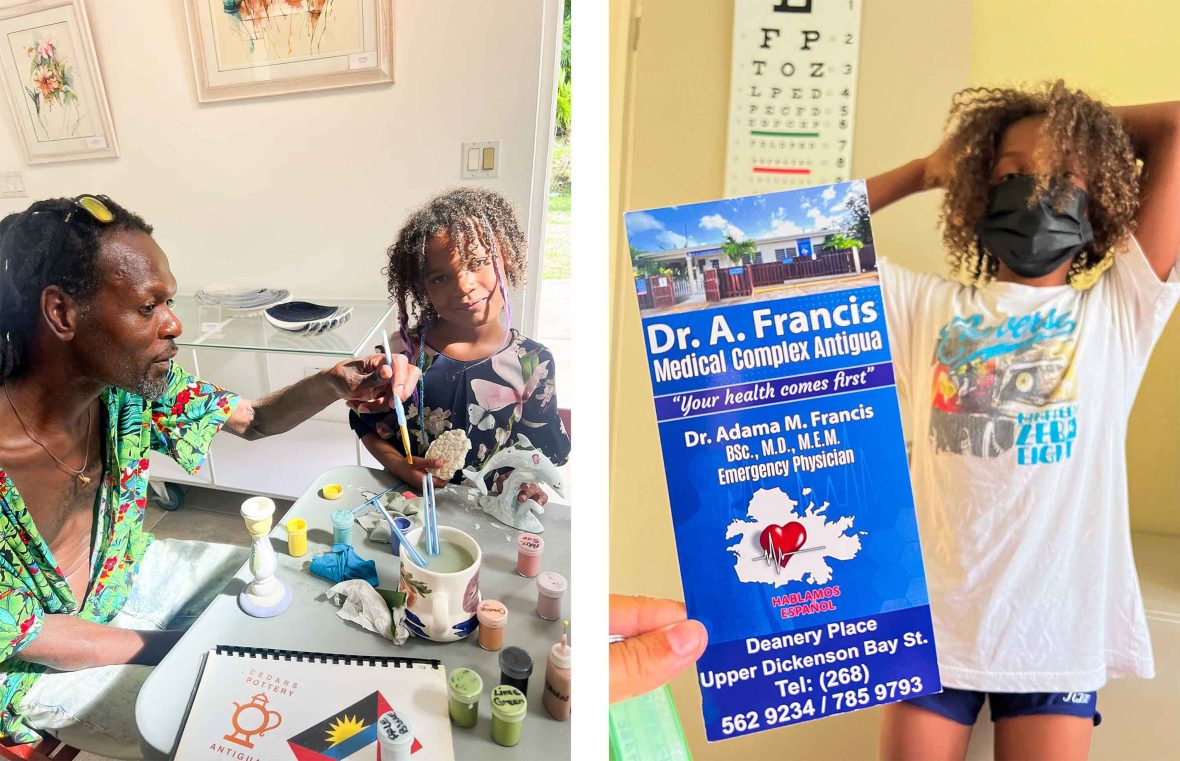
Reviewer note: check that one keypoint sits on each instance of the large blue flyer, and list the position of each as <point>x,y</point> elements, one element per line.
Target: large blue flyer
<point>784,455</point>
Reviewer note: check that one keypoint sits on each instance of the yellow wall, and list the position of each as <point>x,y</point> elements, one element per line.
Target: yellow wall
<point>914,55</point>
<point>1128,59</point>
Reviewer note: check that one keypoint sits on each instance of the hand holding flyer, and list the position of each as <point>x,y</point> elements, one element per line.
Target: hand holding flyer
<point>784,454</point>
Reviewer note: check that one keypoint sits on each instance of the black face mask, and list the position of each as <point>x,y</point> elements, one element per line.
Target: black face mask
<point>1035,240</point>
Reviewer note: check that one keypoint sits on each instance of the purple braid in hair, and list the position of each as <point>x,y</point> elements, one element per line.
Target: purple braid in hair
<point>495,251</point>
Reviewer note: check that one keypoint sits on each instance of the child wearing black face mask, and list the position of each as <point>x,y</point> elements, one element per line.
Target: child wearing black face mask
<point>1017,378</point>
<point>1024,230</point>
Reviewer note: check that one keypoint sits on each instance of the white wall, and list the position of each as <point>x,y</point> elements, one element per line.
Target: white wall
<point>305,191</point>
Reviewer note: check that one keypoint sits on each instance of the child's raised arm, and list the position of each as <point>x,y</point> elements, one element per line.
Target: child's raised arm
<point>909,178</point>
<point>1155,133</point>
<point>895,184</point>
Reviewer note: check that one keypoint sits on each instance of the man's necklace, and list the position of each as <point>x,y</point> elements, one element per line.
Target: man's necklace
<point>80,473</point>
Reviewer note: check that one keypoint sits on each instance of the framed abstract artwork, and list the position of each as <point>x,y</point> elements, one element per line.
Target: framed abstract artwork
<point>253,48</point>
<point>53,84</point>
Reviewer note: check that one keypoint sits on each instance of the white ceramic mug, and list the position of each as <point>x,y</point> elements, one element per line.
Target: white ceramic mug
<point>441,606</point>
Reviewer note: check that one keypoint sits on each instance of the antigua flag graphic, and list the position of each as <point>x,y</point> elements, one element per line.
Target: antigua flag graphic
<point>343,733</point>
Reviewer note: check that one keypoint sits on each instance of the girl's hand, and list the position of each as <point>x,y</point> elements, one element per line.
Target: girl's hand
<point>527,491</point>
<point>938,167</point>
<point>412,474</point>
<point>533,492</point>
<point>365,383</point>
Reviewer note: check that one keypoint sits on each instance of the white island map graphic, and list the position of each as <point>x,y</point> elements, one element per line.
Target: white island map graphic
<point>772,507</point>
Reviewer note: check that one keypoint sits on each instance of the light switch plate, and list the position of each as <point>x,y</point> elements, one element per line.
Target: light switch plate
<point>12,185</point>
<point>480,160</point>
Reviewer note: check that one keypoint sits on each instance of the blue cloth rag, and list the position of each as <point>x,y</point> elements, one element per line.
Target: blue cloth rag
<point>342,563</point>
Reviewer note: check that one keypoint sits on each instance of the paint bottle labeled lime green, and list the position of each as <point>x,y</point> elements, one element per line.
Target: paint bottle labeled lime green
<point>508,711</point>
<point>465,688</point>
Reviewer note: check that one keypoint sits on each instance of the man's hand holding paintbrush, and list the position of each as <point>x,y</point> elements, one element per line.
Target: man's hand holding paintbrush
<point>371,380</point>
<point>394,373</point>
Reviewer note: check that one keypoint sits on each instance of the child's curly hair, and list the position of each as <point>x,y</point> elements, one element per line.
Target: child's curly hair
<point>1081,134</point>
<point>471,217</point>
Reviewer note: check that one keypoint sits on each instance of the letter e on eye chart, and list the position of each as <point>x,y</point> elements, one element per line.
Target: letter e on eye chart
<point>792,94</point>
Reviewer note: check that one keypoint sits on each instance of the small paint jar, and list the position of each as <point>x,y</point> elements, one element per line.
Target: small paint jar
<point>465,688</point>
<point>492,616</point>
<point>403,525</point>
<point>394,737</point>
<point>341,527</point>
<point>509,707</point>
<point>550,589</point>
<point>296,537</point>
<point>516,666</point>
<point>529,548</point>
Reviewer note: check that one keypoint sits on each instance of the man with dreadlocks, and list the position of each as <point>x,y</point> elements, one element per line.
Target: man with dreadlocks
<point>1017,379</point>
<point>449,272</point>
<point>87,335</point>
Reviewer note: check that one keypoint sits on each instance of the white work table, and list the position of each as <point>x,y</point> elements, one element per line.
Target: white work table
<point>311,623</point>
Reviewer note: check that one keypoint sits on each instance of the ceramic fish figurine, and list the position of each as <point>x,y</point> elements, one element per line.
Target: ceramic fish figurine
<point>529,466</point>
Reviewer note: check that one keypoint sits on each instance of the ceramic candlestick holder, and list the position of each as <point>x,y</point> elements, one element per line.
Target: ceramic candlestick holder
<point>265,596</point>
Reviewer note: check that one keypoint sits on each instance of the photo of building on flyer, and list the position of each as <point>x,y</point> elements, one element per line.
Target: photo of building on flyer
<point>751,249</point>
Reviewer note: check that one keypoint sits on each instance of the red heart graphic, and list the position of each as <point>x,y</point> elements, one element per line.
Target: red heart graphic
<point>783,540</point>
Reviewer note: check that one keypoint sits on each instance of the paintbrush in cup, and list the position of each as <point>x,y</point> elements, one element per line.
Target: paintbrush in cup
<point>433,517</point>
<point>429,517</point>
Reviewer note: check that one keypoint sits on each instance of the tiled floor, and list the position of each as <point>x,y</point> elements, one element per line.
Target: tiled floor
<point>209,515</point>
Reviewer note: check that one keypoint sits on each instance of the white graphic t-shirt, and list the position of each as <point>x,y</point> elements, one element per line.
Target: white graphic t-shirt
<point>1016,398</point>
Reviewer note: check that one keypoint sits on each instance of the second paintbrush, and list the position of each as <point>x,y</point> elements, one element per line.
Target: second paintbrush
<point>398,407</point>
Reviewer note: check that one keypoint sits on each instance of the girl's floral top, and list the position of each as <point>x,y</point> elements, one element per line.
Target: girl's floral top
<point>181,424</point>
<point>489,399</point>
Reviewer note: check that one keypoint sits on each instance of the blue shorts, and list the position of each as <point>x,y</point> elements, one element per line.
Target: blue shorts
<point>963,705</point>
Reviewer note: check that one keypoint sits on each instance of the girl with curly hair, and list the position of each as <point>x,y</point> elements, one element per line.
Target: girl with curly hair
<point>1017,378</point>
<point>449,272</point>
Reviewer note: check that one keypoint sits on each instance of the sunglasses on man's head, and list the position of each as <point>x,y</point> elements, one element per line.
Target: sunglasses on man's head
<point>95,206</point>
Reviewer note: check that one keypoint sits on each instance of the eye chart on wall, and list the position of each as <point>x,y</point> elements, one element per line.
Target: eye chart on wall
<point>793,94</point>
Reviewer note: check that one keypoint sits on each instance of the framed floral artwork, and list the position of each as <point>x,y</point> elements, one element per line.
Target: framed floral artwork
<point>53,83</point>
<point>253,48</point>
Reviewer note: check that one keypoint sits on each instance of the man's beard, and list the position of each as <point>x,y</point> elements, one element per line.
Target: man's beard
<point>148,387</point>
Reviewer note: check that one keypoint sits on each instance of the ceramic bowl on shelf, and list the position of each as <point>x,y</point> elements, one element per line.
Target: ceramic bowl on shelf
<point>238,301</point>
<point>307,318</point>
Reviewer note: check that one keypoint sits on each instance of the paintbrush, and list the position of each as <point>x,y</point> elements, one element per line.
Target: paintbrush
<point>430,517</point>
<point>398,407</point>
<point>433,517</point>
<point>405,543</point>
<point>356,510</point>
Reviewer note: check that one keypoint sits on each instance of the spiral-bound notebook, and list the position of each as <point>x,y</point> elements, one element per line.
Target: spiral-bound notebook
<point>255,703</point>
